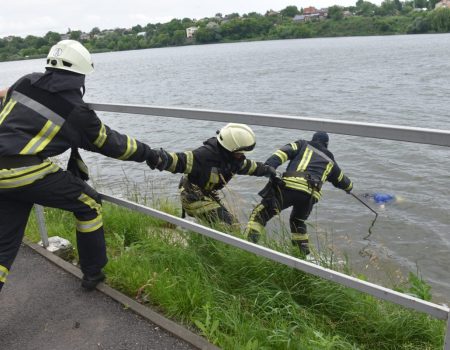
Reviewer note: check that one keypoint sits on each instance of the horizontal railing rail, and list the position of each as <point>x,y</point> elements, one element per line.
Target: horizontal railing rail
<point>372,130</point>
<point>380,131</point>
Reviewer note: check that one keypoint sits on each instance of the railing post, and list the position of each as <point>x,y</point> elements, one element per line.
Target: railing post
<point>41,222</point>
<point>447,334</point>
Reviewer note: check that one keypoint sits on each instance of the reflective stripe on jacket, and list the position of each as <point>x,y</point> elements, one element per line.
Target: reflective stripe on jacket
<point>311,161</point>
<point>44,115</point>
<point>211,167</point>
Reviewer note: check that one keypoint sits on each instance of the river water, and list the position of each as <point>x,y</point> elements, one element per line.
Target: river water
<point>402,80</point>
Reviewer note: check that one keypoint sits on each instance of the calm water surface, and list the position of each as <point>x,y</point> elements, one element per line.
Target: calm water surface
<point>401,80</point>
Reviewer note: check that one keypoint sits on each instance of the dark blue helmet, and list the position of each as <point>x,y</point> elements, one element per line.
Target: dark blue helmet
<point>321,137</point>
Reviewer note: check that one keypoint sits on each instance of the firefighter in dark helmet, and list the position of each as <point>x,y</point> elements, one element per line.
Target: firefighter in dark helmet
<point>43,115</point>
<point>210,167</point>
<point>310,165</point>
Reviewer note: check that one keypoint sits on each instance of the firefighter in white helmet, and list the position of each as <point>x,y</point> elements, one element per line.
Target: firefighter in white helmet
<point>44,115</point>
<point>210,167</point>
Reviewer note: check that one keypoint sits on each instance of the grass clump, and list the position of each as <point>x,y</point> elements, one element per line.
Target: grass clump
<point>238,300</point>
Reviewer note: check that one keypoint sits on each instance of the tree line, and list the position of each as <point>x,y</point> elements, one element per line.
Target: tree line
<point>365,18</point>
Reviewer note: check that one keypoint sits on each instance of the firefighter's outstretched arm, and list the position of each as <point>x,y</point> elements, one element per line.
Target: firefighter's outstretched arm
<point>340,180</point>
<point>97,137</point>
<point>285,153</point>
<point>176,162</point>
<point>250,167</point>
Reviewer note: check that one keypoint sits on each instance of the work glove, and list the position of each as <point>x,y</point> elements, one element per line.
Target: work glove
<point>158,159</point>
<point>269,171</point>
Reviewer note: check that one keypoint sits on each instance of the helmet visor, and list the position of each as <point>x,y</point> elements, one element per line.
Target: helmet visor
<point>245,149</point>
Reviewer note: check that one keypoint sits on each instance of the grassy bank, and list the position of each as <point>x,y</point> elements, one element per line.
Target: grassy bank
<point>238,300</point>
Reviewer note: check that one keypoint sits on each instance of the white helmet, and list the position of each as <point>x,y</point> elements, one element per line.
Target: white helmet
<point>70,55</point>
<point>238,138</point>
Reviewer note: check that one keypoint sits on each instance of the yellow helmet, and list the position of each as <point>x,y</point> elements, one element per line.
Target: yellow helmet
<point>237,138</point>
<point>70,55</point>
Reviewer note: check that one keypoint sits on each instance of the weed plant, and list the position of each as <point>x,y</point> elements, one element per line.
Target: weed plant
<point>238,300</point>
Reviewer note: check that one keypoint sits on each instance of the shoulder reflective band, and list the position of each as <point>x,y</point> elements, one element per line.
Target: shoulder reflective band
<point>38,108</point>
<point>320,153</point>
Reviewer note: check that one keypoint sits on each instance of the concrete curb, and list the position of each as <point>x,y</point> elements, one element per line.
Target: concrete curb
<point>140,309</point>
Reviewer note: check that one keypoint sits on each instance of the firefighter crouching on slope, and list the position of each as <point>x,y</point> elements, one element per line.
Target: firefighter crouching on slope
<point>44,115</point>
<point>210,167</point>
<point>310,165</point>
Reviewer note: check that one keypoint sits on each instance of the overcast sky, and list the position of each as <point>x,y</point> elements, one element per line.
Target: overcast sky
<point>37,17</point>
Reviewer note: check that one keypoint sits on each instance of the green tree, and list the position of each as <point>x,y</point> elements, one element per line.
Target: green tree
<point>253,15</point>
<point>179,37</point>
<point>75,34</point>
<point>420,3</point>
<point>387,8</point>
<point>432,4</point>
<point>419,26</point>
<point>137,29</point>
<point>95,31</point>
<point>365,8</point>
<point>290,11</point>
<point>205,35</point>
<point>160,40</point>
<point>440,20</point>
<point>232,16</point>
<point>172,26</point>
<point>335,12</point>
<point>52,38</point>
<point>187,22</point>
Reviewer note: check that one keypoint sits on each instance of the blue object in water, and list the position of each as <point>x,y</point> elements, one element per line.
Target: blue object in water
<point>382,198</point>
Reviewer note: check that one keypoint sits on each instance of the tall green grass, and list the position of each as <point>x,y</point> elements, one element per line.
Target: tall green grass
<point>238,300</point>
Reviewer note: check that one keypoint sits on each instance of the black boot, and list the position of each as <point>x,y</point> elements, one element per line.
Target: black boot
<point>89,282</point>
<point>303,245</point>
<point>253,237</point>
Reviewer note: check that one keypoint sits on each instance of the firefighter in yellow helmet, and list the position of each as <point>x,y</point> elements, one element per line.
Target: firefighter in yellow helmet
<point>43,115</point>
<point>310,165</point>
<point>210,167</point>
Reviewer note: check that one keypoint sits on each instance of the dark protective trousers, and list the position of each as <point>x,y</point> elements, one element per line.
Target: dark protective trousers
<point>58,190</point>
<point>205,207</point>
<point>277,200</point>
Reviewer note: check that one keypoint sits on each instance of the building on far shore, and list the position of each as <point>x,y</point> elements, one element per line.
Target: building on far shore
<point>311,14</point>
<point>443,3</point>
<point>190,32</point>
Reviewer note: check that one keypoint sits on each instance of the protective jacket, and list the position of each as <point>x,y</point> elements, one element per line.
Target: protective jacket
<point>210,167</point>
<point>44,115</point>
<point>310,165</point>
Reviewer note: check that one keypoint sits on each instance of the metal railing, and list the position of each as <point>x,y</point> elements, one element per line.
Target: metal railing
<point>382,131</point>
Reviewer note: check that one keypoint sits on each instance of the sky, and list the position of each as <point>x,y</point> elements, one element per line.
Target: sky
<point>32,17</point>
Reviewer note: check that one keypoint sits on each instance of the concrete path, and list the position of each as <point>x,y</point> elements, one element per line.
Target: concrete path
<point>42,306</point>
